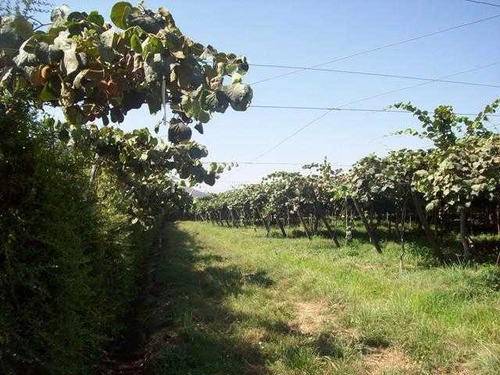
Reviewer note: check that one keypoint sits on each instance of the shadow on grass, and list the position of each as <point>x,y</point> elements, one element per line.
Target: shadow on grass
<point>188,329</point>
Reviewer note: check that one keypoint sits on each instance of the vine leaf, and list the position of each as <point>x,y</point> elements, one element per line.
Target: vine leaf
<point>135,44</point>
<point>120,12</point>
<point>96,18</point>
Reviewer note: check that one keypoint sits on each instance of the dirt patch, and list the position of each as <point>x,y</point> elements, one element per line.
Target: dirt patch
<point>311,316</point>
<point>379,361</point>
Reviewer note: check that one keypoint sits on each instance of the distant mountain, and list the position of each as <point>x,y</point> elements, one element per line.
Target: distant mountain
<point>196,193</point>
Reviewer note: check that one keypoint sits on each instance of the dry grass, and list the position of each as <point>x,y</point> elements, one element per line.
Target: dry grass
<point>379,361</point>
<point>311,316</point>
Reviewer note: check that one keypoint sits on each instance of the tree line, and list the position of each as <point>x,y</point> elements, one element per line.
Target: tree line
<point>449,188</point>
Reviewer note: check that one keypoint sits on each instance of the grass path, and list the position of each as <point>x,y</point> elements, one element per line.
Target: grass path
<point>231,301</point>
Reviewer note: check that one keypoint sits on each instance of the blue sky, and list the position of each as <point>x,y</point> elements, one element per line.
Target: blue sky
<point>304,33</point>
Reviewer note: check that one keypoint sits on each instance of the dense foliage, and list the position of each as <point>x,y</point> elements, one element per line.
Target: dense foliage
<point>67,261</point>
<point>91,70</point>
<point>81,205</point>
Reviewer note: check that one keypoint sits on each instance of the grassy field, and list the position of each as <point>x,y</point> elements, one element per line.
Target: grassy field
<point>232,301</point>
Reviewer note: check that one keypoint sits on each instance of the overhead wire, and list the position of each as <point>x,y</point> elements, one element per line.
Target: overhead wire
<point>483,3</point>
<point>330,109</point>
<point>269,163</point>
<point>370,50</point>
<point>374,74</point>
<point>342,109</point>
<point>316,119</point>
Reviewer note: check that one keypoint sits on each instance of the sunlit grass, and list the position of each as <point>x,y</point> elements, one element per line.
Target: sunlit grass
<point>245,303</point>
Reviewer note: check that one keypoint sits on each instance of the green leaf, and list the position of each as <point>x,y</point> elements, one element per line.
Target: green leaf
<point>157,126</point>
<point>135,44</point>
<point>123,157</point>
<point>107,38</point>
<point>151,45</point>
<point>96,18</point>
<point>154,103</point>
<point>133,99</point>
<point>215,101</point>
<point>184,75</point>
<point>75,17</point>
<point>120,12</point>
<point>209,179</point>
<point>49,93</point>
<point>106,46</point>
<point>156,67</point>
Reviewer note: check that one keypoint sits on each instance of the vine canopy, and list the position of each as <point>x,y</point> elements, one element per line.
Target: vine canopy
<point>94,70</point>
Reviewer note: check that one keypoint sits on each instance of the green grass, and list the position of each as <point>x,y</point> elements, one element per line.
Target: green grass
<point>232,301</point>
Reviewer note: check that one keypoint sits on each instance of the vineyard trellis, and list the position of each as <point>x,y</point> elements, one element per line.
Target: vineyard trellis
<point>442,186</point>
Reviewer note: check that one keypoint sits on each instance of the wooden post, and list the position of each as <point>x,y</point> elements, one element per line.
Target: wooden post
<point>419,207</point>
<point>264,221</point>
<point>227,220</point>
<point>498,218</point>
<point>401,231</point>
<point>348,226</point>
<point>464,233</point>
<point>369,228</point>
<point>253,221</point>
<point>220,218</point>
<point>335,218</point>
<point>233,219</point>
<point>332,233</point>
<point>315,224</point>
<point>94,170</point>
<point>304,225</point>
<point>280,224</point>
<point>396,226</point>
<point>245,218</point>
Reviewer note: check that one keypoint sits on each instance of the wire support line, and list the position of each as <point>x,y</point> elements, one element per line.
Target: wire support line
<point>483,3</point>
<point>269,163</point>
<point>374,74</point>
<point>327,112</point>
<point>378,48</point>
<point>372,110</point>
